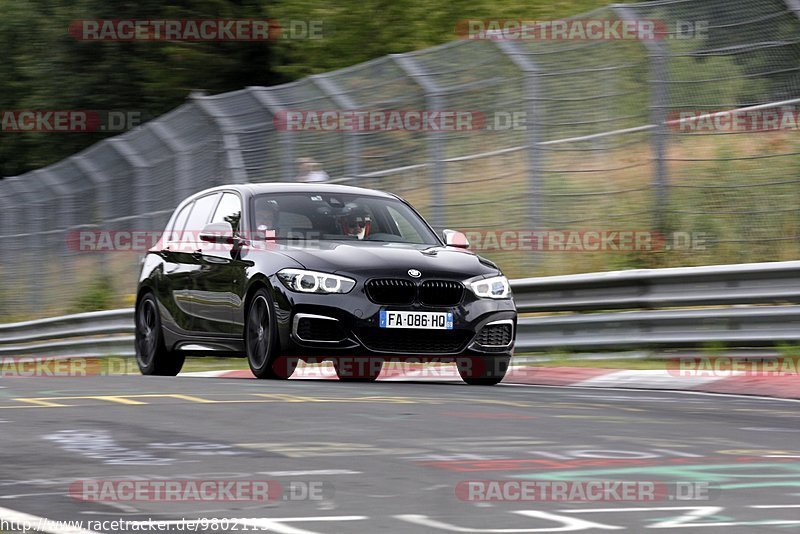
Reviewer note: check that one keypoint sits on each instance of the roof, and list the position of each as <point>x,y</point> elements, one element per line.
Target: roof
<point>291,187</point>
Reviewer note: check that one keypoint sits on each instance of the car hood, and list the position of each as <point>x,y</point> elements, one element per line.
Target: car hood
<point>391,259</point>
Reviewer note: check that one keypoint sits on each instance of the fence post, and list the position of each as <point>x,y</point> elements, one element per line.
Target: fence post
<point>183,180</point>
<point>139,166</point>
<point>141,200</point>
<point>63,214</point>
<point>434,101</point>
<point>10,267</point>
<point>794,5</point>
<point>5,213</point>
<point>99,180</point>
<point>234,161</point>
<point>103,196</point>
<point>273,106</point>
<point>62,217</point>
<point>530,72</point>
<point>659,103</point>
<point>338,97</point>
<point>31,233</point>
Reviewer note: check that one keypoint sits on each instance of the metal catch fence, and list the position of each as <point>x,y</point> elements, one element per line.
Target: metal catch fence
<point>599,150</point>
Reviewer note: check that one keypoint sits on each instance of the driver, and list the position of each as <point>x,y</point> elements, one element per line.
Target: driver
<point>356,224</point>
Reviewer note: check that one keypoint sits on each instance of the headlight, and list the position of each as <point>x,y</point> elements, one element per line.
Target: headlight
<point>496,287</point>
<point>314,282</point>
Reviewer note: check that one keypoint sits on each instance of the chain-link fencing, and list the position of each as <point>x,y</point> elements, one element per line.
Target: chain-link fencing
<point>603,147</point>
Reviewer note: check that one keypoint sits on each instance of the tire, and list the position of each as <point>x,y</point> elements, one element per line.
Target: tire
<point>358,369</point>
<point>152,355</point>
<point>261,340</point>
<point>483,371</point>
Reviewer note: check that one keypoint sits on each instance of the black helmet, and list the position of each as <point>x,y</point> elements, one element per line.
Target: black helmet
<point>355,221</point>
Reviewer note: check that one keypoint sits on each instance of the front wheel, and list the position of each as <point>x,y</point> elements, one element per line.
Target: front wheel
<point>483,371</point>
<point>152,355</point>
<point>261,341</point>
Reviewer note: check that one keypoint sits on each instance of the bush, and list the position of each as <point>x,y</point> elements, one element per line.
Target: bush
<point>99,295</point>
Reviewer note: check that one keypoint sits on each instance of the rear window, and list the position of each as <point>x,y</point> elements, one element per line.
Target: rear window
<point>175,231</point>
<point>199,217</point>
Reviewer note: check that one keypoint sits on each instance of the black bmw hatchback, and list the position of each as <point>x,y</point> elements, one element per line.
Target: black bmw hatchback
<point>283,273</point>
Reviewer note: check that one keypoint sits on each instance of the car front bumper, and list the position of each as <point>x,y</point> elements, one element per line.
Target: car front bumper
<point>357,319</point>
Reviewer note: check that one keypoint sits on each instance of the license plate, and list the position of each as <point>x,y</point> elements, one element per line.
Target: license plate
<point>417,320</point>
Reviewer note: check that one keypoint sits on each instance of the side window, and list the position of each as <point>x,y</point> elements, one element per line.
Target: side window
<point>175,231</point>
<point>201,213</point>
<point>229,210</point>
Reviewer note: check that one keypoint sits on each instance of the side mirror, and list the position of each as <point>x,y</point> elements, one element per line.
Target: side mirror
<point>455,239</point>
<point>220,232</point>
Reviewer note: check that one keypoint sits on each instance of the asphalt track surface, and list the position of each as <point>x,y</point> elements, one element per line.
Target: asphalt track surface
<point>389,456</point>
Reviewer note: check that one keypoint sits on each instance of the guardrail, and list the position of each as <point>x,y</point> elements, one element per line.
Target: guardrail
<point>756,309</point>
<point>748,283</point>
<point>85,334</point>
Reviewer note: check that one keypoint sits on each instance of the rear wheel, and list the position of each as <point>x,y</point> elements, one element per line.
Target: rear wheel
<point>152,355</point>
<point>357,369</point>
<point>261,340</point>
<point>483,371</point>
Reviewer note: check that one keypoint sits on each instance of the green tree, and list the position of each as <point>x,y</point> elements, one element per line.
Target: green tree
<point>43,67</point>
<point>46,68</point>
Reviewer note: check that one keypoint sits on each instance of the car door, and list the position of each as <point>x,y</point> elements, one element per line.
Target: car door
<point>173,288</point>
<point>190,257</point>
<point>215,299</point>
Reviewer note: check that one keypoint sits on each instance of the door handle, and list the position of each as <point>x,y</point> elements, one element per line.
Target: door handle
<point>214,259</point>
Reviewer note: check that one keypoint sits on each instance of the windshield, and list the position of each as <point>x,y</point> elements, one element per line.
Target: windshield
<point>338,217</point>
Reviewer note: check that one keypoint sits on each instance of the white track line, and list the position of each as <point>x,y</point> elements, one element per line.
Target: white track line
<point>678,391</point>
<point>586,385</point>
<point>40,524</point>
<point>649,379</point>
